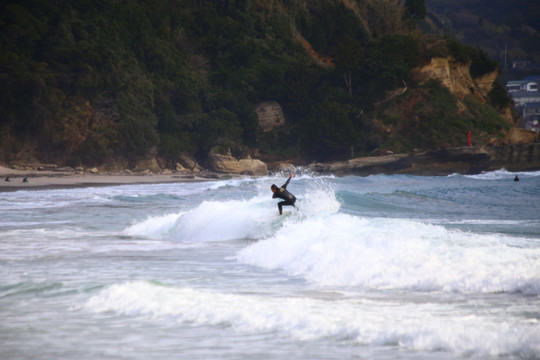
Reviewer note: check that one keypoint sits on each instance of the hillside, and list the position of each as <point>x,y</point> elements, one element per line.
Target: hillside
<point>112,83</point>
<point>505,30</point>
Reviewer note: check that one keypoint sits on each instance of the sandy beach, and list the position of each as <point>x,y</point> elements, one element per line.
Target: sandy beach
<point>37,179</point>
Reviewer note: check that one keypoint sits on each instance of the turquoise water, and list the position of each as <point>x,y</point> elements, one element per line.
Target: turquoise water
<point>377,267</point>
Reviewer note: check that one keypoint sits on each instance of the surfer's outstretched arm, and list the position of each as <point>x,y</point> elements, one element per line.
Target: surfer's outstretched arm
<point>287,182</point>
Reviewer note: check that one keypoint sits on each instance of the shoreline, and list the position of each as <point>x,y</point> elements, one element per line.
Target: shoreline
<point>442,162</point>
<point>40,180</point>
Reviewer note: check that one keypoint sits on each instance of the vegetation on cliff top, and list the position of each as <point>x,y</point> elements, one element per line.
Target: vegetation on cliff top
<point>91,82</point>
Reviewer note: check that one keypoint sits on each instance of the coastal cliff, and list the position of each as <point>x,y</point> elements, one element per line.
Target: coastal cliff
<point>443,162</point>
<point>456,77</point>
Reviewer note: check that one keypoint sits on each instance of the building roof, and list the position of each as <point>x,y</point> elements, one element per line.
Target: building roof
<point>532,105</point>
<point>516,82</point>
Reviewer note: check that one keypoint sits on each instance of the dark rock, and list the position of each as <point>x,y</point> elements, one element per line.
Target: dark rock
<point>462,160</point>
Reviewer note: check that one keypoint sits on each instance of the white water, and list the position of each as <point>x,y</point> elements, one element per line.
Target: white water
<point>378,267</point>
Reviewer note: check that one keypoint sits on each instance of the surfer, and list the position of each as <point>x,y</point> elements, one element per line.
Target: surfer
<point>283,193</point>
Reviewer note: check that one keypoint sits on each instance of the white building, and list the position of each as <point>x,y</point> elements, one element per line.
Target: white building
<point>526,96</point>
<point>522,85</point>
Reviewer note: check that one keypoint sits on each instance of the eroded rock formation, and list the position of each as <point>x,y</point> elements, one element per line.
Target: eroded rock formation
<point>229,164</point>
<point>270,115</point>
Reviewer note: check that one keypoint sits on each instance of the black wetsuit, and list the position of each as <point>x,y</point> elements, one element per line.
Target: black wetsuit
<point>282,193</point>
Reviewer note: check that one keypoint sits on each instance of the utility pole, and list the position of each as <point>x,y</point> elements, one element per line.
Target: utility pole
<point>505,53</point>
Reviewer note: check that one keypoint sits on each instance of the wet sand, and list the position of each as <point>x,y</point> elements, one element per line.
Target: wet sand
<point>57,179</point>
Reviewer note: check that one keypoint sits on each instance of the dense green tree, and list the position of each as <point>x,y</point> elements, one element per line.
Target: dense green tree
<point>480,63</point>
<point>416,8</point>
<point>389,62</point>
<point>498,96</point>
<point>349,58</point>
<point>329,132</point>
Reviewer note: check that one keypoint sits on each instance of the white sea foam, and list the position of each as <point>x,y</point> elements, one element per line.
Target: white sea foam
<point>223,184</point>
<point>329,248</point>
<point>154,226</point>
<point>503,174</point>
<point>421,327</point>
<point>210,220</point>
<point>344,250</point>
<point>253,218</point>
<point>225,220</point>
<point>41,243</point>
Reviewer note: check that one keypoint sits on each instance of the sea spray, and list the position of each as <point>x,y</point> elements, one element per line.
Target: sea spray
<point>154,226</point>
<point>254,217</point>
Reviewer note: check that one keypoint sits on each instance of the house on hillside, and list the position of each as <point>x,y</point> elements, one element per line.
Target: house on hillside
<point>526,96</point>
<point>530,83</point>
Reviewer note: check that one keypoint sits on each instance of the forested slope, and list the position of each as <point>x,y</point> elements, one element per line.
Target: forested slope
<point>97,82</point>
<point>504,30</point>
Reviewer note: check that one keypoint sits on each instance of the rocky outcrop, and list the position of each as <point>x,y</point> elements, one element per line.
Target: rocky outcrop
<point>228,164</point>
<point>520,136</point>
<point>485,82</point>
<point>520,157</point>
<point>457,78</point>
<point>188,164</point>
<point>150,164</point>
<point>365,165</point>
<point>270,115</point>
<point>462,160</point>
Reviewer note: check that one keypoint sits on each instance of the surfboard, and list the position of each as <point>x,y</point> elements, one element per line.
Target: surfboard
<point>273,218</point>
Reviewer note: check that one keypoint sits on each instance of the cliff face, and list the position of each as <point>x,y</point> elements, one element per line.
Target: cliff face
<point>474,160</point>
<point>485,82</point>
<point>270,115</point>
<point>455,76</point>
<point>520,136</point>
<point>521,157</point>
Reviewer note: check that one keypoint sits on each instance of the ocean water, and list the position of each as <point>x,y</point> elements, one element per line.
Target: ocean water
<point>377,267</point>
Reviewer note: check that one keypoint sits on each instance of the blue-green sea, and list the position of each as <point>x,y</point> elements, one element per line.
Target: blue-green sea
<point>376,267</point>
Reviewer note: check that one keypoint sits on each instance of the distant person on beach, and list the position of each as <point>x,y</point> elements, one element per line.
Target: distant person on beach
<point>516,178</point>
<point>25,180</point>
<point>7,178</point>
<point>283,193</point>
